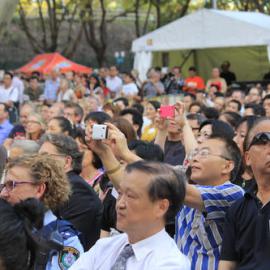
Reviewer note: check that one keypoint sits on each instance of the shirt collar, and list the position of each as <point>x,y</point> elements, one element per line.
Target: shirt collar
<point>5,123</point>
<point>144,247</point>
<point>49,217</point>
<point>252,190</point>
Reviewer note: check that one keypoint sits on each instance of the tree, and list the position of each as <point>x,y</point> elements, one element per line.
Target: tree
<point>165,12</point>
<point>51,17</point>
<point>96,18</point>
<point>7,7</point>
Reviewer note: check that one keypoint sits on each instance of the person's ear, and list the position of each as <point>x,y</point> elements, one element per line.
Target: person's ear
<point>162,208</point>
<point>41,190</point>
<point>228,167</point>
<point>136,127</point>
<point>247,158</point>
<point>68,163</point>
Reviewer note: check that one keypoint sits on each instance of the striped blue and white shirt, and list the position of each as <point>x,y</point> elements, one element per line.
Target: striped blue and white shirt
<point>199,234</point>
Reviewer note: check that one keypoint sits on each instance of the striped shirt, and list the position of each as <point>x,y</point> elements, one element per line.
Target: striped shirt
<point>199,234</point>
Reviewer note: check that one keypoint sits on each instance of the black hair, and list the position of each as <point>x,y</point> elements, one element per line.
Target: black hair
<point>210,113</point>
<point>166,183</point>
<point>192,69</point>
<point>17,247</point>
<point>64,124</point>
<point>249,120</point>
<point>196,116</point>
<point>257,109</point>
<point>155,104</point>
<point>266,97</point>
<point>139,107</point>
<point>9,74</point>
<point>239,90</point>
<point>129,74</point>
<point>248,138</point>
<point>231,151</point>
<point>67,146</point>
<point>33,78</point>
<point>98,117</point>
<point>195,103</point>
<point>80,134</point>
<point>193,97</point>
<point>147,150</point>
<point>232,118</point>
<point>239,105</point>
<point>219,94</point>
<point>96,77</point>
<point>123,99</point>
<point>137,118</point>
<point>219,129</point>
<point>78,111</point>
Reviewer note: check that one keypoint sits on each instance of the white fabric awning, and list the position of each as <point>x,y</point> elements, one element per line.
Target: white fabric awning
<point>208,28</point>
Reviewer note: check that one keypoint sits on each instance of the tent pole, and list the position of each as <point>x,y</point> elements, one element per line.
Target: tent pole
<point>186,58</point>
<point>214,4</point>
<point>195,59</point>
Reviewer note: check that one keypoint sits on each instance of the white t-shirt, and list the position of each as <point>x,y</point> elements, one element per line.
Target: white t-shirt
<point>114,83</point>
<point>18,83</point>
<point>157,252</point>
<point>9,94</point>
<point>130,89</point>
<point>67,96</point>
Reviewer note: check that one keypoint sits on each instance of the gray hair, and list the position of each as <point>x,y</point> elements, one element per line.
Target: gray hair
<point>27,146</point>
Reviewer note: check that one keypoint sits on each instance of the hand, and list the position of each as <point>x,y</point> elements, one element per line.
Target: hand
<point>160,123</point>
<point>180,117</point>
<point>97,146</point>
<point>120,142</point>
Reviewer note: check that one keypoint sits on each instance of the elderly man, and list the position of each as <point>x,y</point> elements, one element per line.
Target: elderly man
<point>199,223</point>
<point>151,194</point>
<point>246,240</point>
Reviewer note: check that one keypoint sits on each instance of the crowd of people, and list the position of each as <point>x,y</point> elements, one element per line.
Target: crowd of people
<point>104,171</point>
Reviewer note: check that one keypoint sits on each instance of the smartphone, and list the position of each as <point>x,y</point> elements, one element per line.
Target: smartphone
<point>167,111</point>
<point>99,132</point>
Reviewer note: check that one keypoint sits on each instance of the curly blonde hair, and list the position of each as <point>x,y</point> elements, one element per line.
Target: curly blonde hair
<point>44,169</point>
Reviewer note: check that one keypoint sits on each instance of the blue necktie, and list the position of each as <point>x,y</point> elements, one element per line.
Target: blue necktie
<point>121,261</point>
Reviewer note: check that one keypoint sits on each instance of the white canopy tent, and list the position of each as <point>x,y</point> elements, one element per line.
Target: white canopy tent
<point>202,30</point>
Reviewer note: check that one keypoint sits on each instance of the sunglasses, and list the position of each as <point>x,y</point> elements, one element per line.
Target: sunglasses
<point>261,138</point>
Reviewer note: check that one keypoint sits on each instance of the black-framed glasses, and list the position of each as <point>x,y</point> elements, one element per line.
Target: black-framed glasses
<point>261,138</point>
<point>12,184</point>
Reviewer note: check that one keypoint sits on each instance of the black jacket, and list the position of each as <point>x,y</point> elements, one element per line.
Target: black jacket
<point>83,210</point>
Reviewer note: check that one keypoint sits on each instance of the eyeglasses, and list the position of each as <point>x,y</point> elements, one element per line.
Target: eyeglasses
<point>205,153</point>
<point>261,138</point>
<point>12,184</point>
<point>33,122</point>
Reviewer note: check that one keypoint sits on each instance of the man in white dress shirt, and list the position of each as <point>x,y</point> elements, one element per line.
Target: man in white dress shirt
<point>151,194</point>
<point>113,82</point>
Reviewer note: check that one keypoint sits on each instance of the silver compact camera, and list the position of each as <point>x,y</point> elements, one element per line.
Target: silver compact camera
<point>99,132</point>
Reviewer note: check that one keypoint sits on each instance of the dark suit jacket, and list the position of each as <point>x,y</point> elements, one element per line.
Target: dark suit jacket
<point>83,210</point>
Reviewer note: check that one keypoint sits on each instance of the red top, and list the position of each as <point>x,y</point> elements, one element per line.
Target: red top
<point>193,84</point>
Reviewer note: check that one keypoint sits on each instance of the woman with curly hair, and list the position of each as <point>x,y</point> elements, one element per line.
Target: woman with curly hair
<point>40,177</point>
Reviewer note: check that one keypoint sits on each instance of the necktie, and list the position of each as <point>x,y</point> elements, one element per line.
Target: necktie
<point>121,261</point>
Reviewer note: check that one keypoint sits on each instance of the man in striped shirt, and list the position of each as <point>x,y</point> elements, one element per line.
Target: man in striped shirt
<point>199,223</point>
